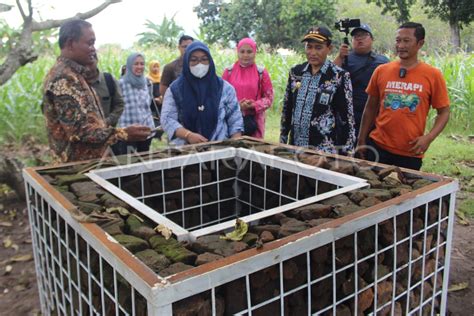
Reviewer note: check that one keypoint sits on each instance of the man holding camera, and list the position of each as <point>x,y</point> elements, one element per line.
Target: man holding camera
<point>401,94</point>
<point>360,63</point>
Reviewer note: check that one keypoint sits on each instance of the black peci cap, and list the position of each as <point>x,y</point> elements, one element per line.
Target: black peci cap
<point>318,34</point>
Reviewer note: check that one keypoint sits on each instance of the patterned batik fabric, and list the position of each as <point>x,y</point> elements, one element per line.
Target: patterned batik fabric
<point>74,119</point>
<point>317,109</point>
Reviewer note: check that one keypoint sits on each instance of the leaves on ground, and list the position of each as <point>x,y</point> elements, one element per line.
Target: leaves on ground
<point>164,231</point>
<point>21,258</point>
<point>8,269</point>
<point>7,242</point>
<point>121,210</point>
<point>458,287</point>
<point>240,229</point>
<point>462,219</point>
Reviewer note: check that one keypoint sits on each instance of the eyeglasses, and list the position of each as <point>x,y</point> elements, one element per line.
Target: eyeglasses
<point>361,35</point>
<point>197,60</point>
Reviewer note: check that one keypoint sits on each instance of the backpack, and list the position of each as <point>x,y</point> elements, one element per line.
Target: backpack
<point>109,81</point>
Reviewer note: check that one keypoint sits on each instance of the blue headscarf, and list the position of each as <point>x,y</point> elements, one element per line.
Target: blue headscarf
<point>190,92</point>
<point>136,81</point>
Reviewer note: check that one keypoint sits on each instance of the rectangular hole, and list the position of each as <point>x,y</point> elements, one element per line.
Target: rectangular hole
<point>209,193</point>
<point>403,225</point>
<point>345,283</point>
<point>242,168</point>
<point>227,169</point>
<point>258,197</point>
<point>228,209</point>
<point>296,303</point>
<point>289,181</point>
<point>132,185</point>
<point>265,285</point>
<point>192,218</point>
<point>321,295</point>
<point>192,197</point>
<point>273,179</point>
<point>172,179</point>
<point>155,203</point>
<point>321,261</point>
<point>153,182</point>
<point>226,190</point>
<point>234,295</point>
<point>415,298</point>
<point>191,176</point>
<point>295,272</point>
<point>173,202</point>
<point>345,251</point>
<point>258,174</point>
<point>324,187</point>
<point>306,187</point>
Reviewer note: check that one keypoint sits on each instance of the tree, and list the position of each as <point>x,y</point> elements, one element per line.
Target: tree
<point>400,9</point>
<point>279,23</point>
<point>224,22</point>
<point>22,52</point>
<point>166,33</point>
<point>299,15</point>
<point>208,12</point>
<point>457,13</point>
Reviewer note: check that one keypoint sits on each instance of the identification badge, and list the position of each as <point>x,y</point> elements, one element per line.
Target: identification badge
<point>324,98</point>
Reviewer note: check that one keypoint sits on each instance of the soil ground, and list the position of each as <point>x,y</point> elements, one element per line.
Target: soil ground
<point>18,287</point>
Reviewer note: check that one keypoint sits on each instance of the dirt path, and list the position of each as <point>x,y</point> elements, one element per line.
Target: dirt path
<point>18,287</point>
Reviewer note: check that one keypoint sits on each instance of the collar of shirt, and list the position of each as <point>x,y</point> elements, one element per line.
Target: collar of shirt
<point>74,65</point>
<point>323,68</point>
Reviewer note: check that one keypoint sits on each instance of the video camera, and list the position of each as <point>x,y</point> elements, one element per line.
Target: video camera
<point>344,25</point>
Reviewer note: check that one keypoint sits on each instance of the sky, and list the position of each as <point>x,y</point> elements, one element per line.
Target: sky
<point>119,23</point>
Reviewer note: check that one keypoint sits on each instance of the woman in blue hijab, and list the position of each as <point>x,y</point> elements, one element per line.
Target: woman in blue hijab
<point>137,98</point>
<point>199,106</point>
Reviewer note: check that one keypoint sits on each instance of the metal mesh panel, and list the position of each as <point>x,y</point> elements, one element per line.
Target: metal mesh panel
<point>198,192</point>
<point>391,259</point>
<point>395,266</point>
<point>73,279</point>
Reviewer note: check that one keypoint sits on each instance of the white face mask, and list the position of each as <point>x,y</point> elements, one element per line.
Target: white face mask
<point>199,70</point>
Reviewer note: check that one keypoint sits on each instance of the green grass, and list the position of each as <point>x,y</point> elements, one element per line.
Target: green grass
<point>467,207</point>
<point>21,96</point>
<point>451,156</point>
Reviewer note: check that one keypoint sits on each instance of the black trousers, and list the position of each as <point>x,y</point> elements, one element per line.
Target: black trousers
<point>389,158</point>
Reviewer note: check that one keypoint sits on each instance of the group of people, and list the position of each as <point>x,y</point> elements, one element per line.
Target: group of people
<point>359,103</point>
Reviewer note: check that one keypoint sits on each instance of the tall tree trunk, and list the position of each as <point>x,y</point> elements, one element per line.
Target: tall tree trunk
<point>455,35</point>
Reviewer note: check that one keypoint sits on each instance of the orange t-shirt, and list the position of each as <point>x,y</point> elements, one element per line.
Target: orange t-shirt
<point>404,104</point>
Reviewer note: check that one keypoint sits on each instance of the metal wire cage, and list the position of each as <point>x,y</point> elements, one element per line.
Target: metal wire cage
<point>391,258</point>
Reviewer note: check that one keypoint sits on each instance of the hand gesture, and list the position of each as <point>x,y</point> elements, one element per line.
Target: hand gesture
<point>195,138</point>
<point>344,51</point>
<point>137,133</point>
<point>420,145</point>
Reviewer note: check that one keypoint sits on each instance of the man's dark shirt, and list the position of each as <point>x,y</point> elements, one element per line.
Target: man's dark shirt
<point>172,71</point>
<point>361,68</point>
<point>112,105</point>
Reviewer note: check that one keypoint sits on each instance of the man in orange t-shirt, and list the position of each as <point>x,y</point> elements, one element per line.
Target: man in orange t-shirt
<point>400,96</point>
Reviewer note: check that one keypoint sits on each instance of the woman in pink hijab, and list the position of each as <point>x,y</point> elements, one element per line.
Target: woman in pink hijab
<point>253,87</point>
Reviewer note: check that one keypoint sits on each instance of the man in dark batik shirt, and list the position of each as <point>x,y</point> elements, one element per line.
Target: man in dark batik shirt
<point>76,126</point>
<point>317,109</point>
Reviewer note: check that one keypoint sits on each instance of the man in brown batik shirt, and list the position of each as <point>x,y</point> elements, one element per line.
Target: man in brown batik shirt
<point>76,126</point>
